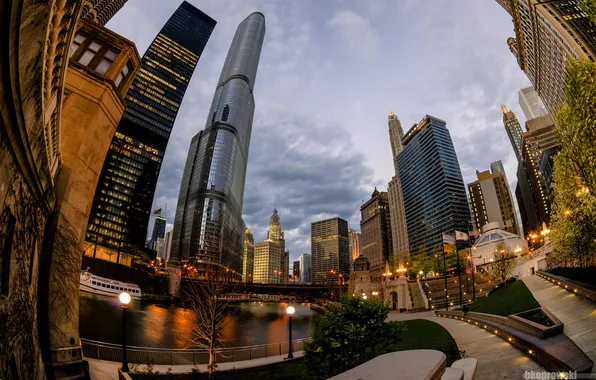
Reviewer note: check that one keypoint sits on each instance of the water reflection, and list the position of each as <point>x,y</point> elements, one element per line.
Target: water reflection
<point>169,326</point>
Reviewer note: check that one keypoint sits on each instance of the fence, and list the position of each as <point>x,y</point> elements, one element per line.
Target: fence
<point>163,356</point>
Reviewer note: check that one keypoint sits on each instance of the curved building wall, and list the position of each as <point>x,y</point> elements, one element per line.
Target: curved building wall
<point>208,226</point>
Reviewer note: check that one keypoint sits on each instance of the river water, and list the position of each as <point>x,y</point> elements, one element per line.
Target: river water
<point>168,326</point>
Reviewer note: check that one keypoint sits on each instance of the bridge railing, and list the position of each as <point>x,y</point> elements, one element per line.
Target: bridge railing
<point>163,356</point>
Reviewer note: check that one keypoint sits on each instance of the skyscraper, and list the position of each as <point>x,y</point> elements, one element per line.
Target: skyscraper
<point>271,258</point>
<point>497,167</point>
<point>305,268</point>
<point>354,244</point>
<point>120,212</point>
<point>514,131</point>
<point>531,103</point>
<point>399,231</point>
<point>101,11</point>
<point>330,250</point>
<point>209,208</point>
<point>248,259</point>
<point>375,226</point>
<point>547,33</point>
<point>491,201</point>
<point>159,230</point>
<point>433,190</point>
<point>296,269</point>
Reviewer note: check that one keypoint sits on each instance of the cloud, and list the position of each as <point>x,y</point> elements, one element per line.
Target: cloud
<point>356,32</point>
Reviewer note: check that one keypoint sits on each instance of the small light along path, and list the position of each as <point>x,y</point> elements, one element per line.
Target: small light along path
<point>577,314</point>
<point>497,359</point>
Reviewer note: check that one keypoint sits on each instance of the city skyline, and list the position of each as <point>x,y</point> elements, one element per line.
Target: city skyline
<point>472,84</point>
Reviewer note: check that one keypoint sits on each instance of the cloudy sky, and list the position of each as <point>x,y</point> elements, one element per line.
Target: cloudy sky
<point>330,72</point>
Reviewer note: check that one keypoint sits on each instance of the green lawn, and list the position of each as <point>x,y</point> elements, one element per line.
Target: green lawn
<point>510,300</point>
<point>420,334</point>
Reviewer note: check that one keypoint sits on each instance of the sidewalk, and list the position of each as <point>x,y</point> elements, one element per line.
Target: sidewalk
<point>577,314</point>
<point>100,369</point>
<point>497,359</point>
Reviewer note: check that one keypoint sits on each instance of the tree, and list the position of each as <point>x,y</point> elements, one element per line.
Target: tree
<point>573,221</point>
<point>211,312</point>
<point>504,262</point>
<point>589,7</point>
<point>349,334</point>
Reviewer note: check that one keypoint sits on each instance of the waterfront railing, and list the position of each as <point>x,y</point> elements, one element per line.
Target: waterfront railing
<point>164,356</point>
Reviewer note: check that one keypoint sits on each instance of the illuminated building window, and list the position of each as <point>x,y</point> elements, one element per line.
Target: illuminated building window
<point>76,43</point>
<point>106,62</point>
<point>89,53</point>
<point>123,74</point>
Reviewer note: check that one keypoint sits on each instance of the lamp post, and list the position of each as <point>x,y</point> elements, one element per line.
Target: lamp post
<point>290,310</point>
<point>124,300</point>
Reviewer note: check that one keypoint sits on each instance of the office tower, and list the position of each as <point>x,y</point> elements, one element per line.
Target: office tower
<point>547,166</point>
<point>531,104</point>
<point>375,227</point>
<point>491,201</point>
<point>525,200</point>
<point>209,206</point>
<point>168,245</point>
<point>159,230</point>
<point>399,232</point>
<point>101,11</point>
<point>547,33</point>
<point>270,257</point>
<point>433,190</point>
<point>539,138</point>
<point>330,250</point>
<point>497,167</point>
<point>514,131</point>
<point>305,268</point>
<point>124,194</point>
<point>248,258</point>
<point>296,269</point>
<point>354,245</point>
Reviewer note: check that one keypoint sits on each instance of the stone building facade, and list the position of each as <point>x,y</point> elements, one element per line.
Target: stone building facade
<point>375,227</point>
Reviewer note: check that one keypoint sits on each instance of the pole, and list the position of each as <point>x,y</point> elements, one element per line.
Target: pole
<point>459,281</point>
<point>124,361</point>
<point>472,265</point>
<point>95,247</point>
<point>445,274</point>
<point>290,355</point>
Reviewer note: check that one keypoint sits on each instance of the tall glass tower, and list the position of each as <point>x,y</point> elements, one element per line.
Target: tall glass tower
<point>434,195</point>
<point>122,204</point>
<point>208,226</point>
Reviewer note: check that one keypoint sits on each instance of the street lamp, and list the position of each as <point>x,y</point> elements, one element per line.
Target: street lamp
<point>124,300</point>
<point>290,310</point>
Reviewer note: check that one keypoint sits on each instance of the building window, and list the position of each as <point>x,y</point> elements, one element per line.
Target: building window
<point>76,43</point>
<point>225,113</point>
<point>106,62</point>
<point>6,255</point>
<point>89,53</point>
<point>123,74</point>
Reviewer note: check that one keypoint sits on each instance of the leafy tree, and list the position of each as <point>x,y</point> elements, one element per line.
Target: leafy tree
<point>589,6</point>
<point>573,219</point>
<point>349,334</point>
<point>504,262</point>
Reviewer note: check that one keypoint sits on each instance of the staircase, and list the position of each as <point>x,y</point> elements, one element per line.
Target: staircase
<point>417,301</point>
<point>435,289</point>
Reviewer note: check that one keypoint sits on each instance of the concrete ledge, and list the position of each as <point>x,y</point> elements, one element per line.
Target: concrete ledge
<point>578,288</point>
<point>453,374</point>
<point>556,353</point>
<point>468,366</point>
<point>533,328</point>
<point>401,365</point>
<point>123,375</point>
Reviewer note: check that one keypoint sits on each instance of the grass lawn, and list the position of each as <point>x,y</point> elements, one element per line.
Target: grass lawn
<point>510,300</point>
<point>420,334</point>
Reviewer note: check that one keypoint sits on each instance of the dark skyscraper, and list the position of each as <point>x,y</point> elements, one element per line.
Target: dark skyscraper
<point>208,226</point>
<point>101,11</point>
<point>433,189</point>
<point>159,230</point>
<point>120,212</point>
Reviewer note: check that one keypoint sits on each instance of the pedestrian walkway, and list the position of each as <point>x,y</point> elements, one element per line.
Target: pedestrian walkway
<point>497,359</point>
<point>577,314</point>
<point>101,369</point>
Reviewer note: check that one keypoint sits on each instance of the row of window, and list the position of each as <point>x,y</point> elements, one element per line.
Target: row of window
<point>115,287</point>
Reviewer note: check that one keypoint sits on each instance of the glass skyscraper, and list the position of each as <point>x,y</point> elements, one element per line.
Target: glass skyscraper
<point>433,189</point>
<point>208,226</point>
<point>122,204</point>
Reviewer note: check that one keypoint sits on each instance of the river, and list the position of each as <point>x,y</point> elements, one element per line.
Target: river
<point>168,326</point>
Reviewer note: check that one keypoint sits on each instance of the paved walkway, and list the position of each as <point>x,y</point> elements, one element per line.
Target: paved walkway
<point>100,369</point>
<point>577,314</point>
<point>497,359</point>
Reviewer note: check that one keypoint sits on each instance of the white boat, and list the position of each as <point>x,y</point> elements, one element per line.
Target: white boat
<point>92,283</point>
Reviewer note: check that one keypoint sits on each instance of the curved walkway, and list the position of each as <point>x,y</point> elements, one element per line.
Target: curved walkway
<point>577,314</point>
<point>497,359</point>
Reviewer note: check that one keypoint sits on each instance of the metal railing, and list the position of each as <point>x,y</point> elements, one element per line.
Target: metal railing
<point>165,356</point>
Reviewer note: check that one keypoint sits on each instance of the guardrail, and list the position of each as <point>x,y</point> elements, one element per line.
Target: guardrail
<point>165,356</point>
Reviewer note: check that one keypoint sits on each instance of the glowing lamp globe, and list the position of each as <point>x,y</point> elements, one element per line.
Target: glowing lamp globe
<point>124,298</point>
<point>290,310</point>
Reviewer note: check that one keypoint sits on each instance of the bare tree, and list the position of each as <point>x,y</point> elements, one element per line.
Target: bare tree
<point>504,262</point>
<point>212,312</point>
